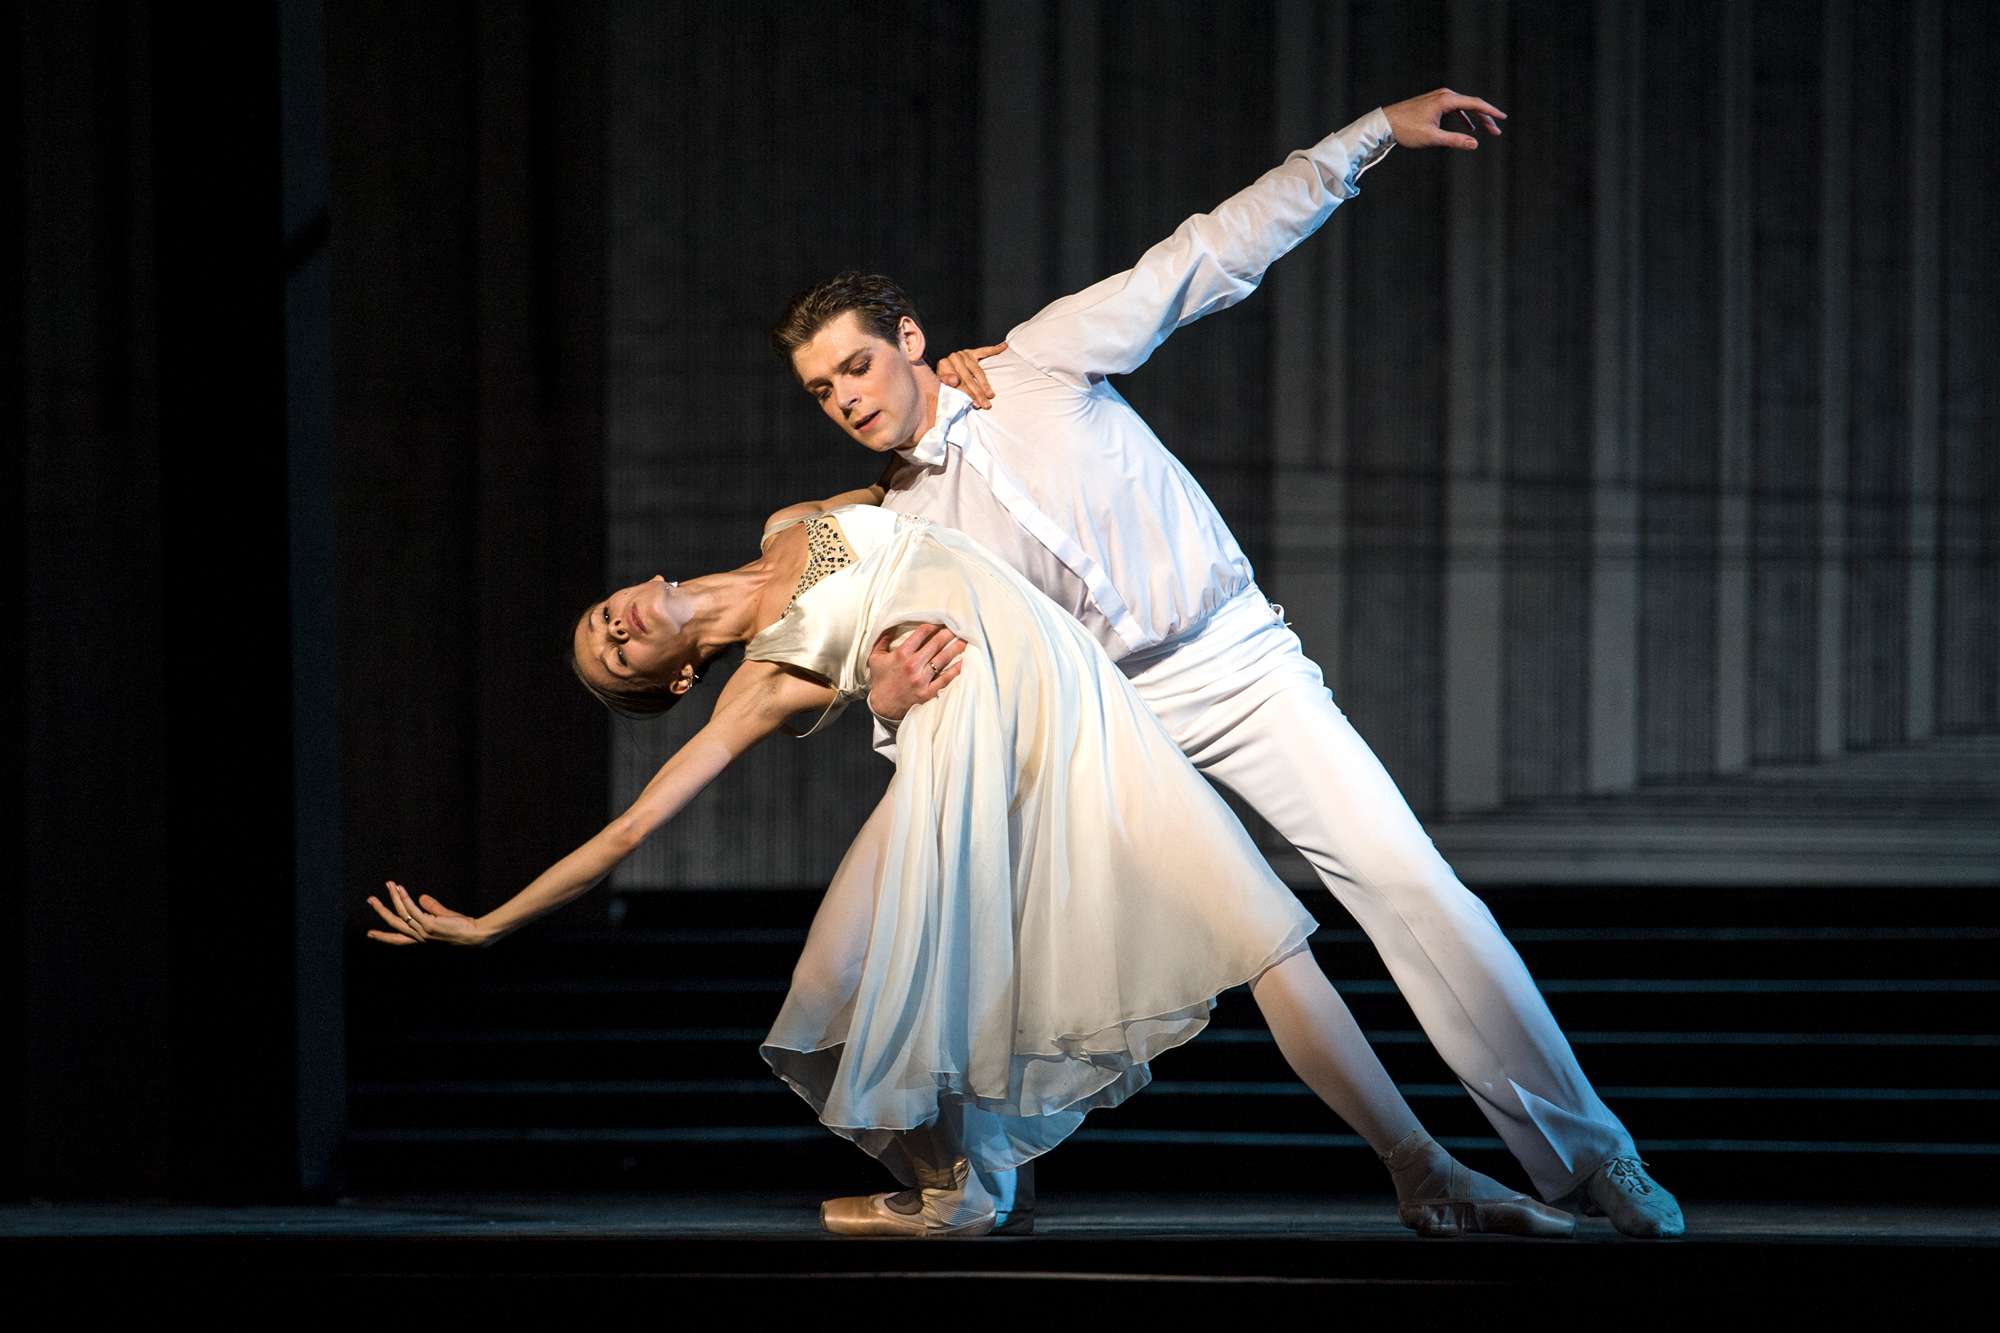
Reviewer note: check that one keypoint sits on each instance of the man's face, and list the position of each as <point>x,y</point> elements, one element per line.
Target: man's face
<point>867,386</point>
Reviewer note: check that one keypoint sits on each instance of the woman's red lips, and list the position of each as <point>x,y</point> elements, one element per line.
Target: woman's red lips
<point>632,614</point>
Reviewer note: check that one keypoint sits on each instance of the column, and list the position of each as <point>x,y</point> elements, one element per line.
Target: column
<point>1475,384</point>
<point>1614,570</point>
<point>1836,235</point>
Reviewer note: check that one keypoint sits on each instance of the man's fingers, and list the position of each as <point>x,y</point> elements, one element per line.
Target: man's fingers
<point>942,679</point>
<point>915,645</point>
<point>981,353</point>
<point>940,649</point>
<point>1437,137</point>
<point>1451,101</point>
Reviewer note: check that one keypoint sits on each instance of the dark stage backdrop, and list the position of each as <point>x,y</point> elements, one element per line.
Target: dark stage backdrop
<point>359,345</point>
<point>1649,445</point>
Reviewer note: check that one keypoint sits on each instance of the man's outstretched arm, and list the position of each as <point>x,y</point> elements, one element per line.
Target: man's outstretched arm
<point>1215,259</point>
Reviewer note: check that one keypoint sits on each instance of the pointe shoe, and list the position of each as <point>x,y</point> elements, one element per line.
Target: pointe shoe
<point>953,1204</point>
<point>1013,1199</point>
<point>1457,1213</point>
<point>1441,1196</point>
<point>1637,1205</point>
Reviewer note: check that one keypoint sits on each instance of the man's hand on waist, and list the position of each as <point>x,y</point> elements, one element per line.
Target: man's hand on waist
<point>912,672</point>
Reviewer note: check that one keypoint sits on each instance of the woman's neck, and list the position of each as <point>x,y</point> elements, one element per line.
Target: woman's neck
<point>726,607</point>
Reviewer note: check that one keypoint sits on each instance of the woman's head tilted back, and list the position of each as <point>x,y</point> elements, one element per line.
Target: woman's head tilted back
<point>632,651</point>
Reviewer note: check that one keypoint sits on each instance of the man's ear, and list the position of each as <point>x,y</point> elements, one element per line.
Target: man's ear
<point>910,338</point>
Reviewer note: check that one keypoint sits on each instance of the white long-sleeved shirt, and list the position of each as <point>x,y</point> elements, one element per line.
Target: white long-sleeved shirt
<point>1061,478</point>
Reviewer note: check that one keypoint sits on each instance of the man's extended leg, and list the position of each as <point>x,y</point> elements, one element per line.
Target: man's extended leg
<point>1252,711</point>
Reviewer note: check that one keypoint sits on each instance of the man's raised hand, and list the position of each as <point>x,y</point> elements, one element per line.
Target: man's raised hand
<point>912,672</point>
<point>961,371</point>
<point>1418,122</point>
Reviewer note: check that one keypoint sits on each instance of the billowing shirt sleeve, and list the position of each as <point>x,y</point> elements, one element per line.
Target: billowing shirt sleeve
<point>1212,260</point>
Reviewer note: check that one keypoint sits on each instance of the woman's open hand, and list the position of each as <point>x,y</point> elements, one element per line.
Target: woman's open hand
<point>423,920</point>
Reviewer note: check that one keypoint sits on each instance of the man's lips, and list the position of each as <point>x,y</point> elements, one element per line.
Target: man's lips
<point>868,420</point>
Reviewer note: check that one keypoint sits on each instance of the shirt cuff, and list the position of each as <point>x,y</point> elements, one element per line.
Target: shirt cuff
<point>1348,152</point>
<point>885,736</point>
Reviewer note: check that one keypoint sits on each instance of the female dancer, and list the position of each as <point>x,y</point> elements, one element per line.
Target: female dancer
<point>1059,899</point>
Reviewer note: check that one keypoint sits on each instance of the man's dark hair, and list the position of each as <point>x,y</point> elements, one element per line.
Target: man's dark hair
<point>876,301</point>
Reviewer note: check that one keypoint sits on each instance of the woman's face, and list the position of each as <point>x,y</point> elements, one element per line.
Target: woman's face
<point>635,636</point>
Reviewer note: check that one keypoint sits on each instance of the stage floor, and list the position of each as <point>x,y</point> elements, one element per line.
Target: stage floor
<point>766,1250</point>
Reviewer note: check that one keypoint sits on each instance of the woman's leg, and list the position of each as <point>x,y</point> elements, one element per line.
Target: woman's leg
<point>1325,1047</point>
<point>1436,1194</point>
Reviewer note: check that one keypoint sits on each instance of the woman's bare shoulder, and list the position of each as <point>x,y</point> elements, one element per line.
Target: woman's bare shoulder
<point>792,513</point>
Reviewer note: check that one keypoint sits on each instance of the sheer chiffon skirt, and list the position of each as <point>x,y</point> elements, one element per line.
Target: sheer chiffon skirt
<point>1048,898</point>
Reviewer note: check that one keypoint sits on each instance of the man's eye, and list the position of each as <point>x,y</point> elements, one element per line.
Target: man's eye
<point>861,368</point>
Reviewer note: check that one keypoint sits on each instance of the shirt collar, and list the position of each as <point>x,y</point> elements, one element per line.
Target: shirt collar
<point>952,409</point>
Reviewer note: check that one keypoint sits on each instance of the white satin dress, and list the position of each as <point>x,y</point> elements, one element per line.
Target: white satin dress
<point>1060,896</point>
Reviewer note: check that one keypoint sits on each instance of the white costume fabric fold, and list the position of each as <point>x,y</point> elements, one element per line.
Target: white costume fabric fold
<point>1057,895</point>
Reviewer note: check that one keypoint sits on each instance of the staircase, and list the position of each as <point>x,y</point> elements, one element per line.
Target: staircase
<point>1788,1043</point>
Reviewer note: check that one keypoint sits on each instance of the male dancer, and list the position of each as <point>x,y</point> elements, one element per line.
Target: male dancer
<point>1062,479</point>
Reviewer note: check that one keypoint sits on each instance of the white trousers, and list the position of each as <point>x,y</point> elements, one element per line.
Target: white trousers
<point>1252,712</point>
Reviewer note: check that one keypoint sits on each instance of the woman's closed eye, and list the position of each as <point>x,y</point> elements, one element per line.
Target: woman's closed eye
<point>607,626</point>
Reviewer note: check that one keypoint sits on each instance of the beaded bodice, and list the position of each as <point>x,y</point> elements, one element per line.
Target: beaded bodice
<point>826,551</point>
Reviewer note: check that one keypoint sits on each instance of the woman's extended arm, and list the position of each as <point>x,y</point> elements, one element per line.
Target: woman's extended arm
<point>757,700</point>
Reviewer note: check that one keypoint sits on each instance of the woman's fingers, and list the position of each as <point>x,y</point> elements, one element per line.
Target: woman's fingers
<point>968,376</point>
<point>413,916</point>
<point>436,908</point>
<point>387,938</point>
<point>970,380</point>
<point>404,930</point>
